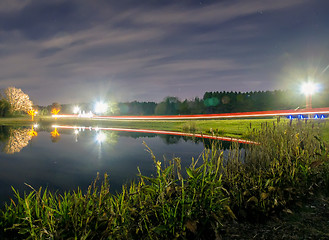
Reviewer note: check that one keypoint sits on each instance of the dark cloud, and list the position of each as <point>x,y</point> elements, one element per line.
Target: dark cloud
<point>70,51</point>
<point>41,19</point>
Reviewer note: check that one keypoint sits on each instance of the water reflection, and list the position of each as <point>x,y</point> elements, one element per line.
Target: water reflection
<point>55,136</point>
<point>18,139</point>
<point>77,156</point>
<point>170,137</point>
<point>33,133</point>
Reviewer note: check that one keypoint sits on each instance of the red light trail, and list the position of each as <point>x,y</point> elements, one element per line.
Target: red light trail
<point>191,117</point>
<point>159,132</point>
<point>211,116</point>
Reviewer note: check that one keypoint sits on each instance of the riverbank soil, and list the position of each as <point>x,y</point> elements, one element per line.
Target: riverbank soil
<point>309,220</point>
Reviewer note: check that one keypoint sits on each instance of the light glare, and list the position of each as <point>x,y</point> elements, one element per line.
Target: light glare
<point>100,107</point>
<point>100,137</point>
<point>76,109</point>
<point>308,88</point>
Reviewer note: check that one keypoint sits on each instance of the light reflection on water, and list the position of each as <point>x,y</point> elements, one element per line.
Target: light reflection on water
<point>69,160</point>
<point>65,159</point>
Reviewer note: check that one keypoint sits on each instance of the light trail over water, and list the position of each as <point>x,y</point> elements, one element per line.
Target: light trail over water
<point>209,116</point>
<point>158,132</point>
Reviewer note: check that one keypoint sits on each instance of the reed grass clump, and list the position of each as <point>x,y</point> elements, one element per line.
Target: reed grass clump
<point>289,162</point>
<point>189,126</point>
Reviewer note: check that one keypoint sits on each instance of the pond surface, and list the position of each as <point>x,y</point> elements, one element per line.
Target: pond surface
<point>65,159</point>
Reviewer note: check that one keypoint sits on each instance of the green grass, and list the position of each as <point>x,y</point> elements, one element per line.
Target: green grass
<point>15,121</point>
<point>290,163</point>
<point>325,131</point>
<point>232,127</point>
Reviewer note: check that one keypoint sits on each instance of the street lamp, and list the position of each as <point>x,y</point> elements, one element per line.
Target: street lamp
<point>100,107</point>
<point>308,88</point>
<point>76,109</point>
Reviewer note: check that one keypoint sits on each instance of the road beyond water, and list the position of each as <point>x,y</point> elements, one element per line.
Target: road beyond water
<point>293,112</point>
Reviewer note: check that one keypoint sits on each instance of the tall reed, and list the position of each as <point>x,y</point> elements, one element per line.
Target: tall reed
<point>288,163</point>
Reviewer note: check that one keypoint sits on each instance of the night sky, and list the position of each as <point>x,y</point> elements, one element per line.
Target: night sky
<point>71,51</point>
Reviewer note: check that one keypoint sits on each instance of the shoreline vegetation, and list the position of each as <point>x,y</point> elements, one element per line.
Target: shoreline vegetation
<point>278,189</point>
<point>237,128</point>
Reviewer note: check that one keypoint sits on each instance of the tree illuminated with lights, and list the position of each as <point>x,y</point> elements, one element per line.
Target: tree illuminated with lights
<point>32,113</point>
<point>55,111</point>
<point>18,100</point>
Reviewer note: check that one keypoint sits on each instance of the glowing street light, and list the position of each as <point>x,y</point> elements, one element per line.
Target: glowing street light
<point>76,109</point>
<point>100,107</point>
<point>308,88</point>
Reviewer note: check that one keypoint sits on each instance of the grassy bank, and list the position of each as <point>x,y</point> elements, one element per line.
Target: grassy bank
<point>15,121</point>
<point>205,201</point>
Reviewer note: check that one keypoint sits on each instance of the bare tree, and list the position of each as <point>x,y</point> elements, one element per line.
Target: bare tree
<point>18,100</point>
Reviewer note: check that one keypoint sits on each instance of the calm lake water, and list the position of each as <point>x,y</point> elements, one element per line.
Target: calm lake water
<point>67,158</point>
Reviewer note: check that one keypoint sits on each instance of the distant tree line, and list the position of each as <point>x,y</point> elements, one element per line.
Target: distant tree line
<point>216,102</point>
<point>14,100</point>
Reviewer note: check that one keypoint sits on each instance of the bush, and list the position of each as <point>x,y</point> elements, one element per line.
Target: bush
<point>4,108</point>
